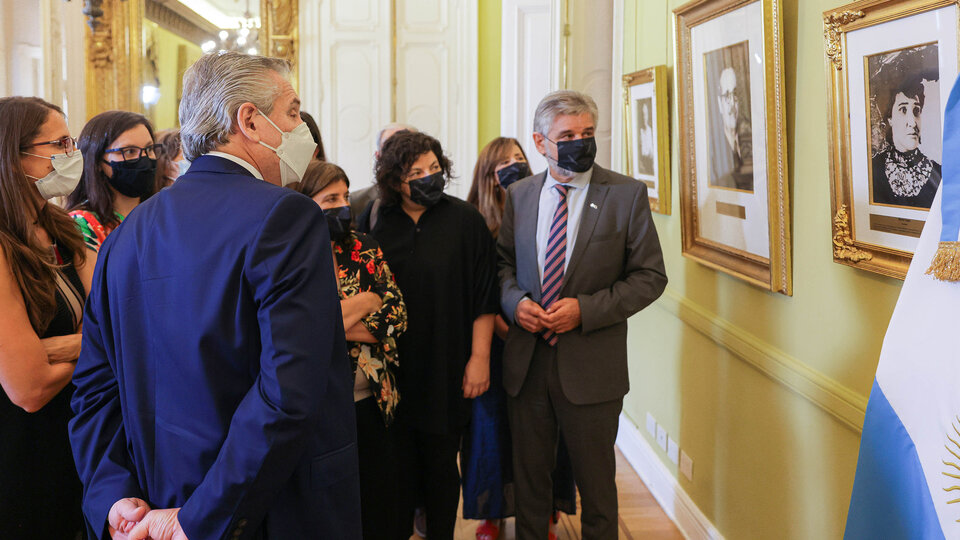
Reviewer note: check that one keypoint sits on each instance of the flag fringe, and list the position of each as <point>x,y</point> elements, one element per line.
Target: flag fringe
<point>946,263</point>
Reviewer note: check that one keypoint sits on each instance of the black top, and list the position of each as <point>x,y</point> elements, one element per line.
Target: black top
<point>39,486</point>
<point>445,266</point>
<point>905,178</point>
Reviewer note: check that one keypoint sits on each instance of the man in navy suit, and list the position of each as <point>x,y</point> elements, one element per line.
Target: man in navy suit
<point>214,395</point>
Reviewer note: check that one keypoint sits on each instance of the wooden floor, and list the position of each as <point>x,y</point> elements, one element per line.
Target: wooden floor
<point>640,515</point>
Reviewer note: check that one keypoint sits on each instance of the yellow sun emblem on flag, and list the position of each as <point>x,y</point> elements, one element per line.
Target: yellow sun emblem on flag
<point>953,472</point>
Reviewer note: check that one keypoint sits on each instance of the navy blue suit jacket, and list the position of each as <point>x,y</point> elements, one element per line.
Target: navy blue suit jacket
<point>213,374</point>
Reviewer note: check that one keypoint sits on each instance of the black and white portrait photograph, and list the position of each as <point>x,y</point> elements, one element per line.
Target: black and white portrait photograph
<point>647,137</point>
<point>647,133</point>
<point>729,135</point>
<point>891,67</point>
<point>905,136</point>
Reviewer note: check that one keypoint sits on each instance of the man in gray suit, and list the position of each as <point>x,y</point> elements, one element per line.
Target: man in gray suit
<point>579,255</point>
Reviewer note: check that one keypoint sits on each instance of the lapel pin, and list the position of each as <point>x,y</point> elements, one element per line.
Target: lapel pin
<point>593,205</point>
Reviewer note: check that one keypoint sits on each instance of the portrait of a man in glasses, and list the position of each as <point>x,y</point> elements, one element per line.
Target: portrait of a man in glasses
<point>730,138</point>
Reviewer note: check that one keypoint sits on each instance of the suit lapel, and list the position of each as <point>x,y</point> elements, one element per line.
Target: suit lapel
<point>592,206</point>
<point>527,212</point>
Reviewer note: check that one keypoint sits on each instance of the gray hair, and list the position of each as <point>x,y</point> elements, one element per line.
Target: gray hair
<point>562,102</point>
<point>215,87</point>
<point>394,125</point>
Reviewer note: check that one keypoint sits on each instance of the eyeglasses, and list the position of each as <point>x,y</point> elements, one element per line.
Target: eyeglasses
<point>133,153</point>
<point>67,145</point>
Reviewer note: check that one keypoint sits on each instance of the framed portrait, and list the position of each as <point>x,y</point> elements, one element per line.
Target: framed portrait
<point>890,65</point>
<point>734,192</point>
<point>647,133</point>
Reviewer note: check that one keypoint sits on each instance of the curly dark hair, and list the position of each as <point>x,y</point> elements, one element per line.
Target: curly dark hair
<point>398,154</point>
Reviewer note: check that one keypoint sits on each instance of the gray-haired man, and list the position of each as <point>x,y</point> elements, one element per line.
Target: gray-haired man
<point>579,255</point>
<point>213,381</point>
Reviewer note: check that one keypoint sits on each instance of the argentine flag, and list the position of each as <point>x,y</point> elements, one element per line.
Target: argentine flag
<point>908,475</point>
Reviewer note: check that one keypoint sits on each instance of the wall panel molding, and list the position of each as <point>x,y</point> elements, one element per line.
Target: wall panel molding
<point>843,403</point>
<point>663,485</point>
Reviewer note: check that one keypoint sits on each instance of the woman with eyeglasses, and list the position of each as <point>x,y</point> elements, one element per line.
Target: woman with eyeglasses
<point>119,172</point>
<point>41,303</point>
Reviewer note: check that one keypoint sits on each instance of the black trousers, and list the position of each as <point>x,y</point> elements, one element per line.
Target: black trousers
<point>537,414</point>
<point>431,479</point>
<point>380,496</point>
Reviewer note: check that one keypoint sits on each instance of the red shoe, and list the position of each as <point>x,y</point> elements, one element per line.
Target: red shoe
<point>488,530</point>
<point>552,528</point>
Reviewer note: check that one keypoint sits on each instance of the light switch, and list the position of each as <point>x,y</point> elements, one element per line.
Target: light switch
<point>673,450</point>
<point>686,466</point>
<point>662,437</point>
<point>651,425</point>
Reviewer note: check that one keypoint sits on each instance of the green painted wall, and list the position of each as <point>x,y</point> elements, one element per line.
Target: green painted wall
<point>768,462</point>
<point>488,107</point>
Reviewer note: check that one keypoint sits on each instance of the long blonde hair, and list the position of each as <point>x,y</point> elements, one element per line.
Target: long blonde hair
<point>486,193</point>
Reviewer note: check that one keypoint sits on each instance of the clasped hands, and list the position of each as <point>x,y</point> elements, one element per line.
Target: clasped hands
<point>562,316</point>
<point>132,519</point>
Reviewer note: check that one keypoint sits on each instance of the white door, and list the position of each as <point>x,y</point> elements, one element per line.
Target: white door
<point>553,44</point>
<point>590,64</point>
<point>530,67</point>
<point>366,63</point>
<point>345,78</point>
<point>437,78</point>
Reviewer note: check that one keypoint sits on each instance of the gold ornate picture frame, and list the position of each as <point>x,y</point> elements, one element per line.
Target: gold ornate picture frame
<point>734,190</point>
<point>890,64</point>
<point>646,121</point>
<point>116,48</point>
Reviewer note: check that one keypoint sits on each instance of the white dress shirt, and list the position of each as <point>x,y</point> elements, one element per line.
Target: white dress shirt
<point>243,163</point>
<point>549,198</point>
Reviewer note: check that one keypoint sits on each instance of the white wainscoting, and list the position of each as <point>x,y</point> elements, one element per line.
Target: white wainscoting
<point>662,485</point>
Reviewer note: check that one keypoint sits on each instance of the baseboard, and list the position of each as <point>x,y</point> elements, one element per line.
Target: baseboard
<point>662,484</point>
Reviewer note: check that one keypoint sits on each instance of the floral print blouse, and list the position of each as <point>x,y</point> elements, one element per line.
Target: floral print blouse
<point>94,233</point>
<point>362,268</point>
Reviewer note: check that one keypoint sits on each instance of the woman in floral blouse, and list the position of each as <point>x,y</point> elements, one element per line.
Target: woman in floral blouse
<point>373,316</point>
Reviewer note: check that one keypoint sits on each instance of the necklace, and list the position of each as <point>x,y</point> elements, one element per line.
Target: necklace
<point>907,172</point>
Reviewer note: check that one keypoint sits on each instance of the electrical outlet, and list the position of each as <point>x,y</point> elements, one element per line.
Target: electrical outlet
<point>686,466</point>
<point>673,450</point>
<point>662,437</point>
<point>651,425</point>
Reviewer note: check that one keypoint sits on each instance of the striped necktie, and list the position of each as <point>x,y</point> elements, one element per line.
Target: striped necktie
<point>555,259</point>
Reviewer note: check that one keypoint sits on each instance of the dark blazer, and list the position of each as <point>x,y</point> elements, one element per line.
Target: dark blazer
<point>615,270</point>
<point>213,374</point>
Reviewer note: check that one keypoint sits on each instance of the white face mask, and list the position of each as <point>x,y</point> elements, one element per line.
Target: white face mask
<point>64,177</point>
<point>295,151</point>
<point>183,165</point>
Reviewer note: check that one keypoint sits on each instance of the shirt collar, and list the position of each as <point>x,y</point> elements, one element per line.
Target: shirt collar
<point>243,163</point>
<point>579,180</point>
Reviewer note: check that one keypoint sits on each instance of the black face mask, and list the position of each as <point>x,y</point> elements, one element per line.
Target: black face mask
<point>427,191</point>
<point>576,155</point>
<point>512,173</point>
<point>134,178</point>
<point>338,222</point>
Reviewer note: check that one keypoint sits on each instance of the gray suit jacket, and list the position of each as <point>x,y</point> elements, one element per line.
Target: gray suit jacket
<point>615,270</point>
